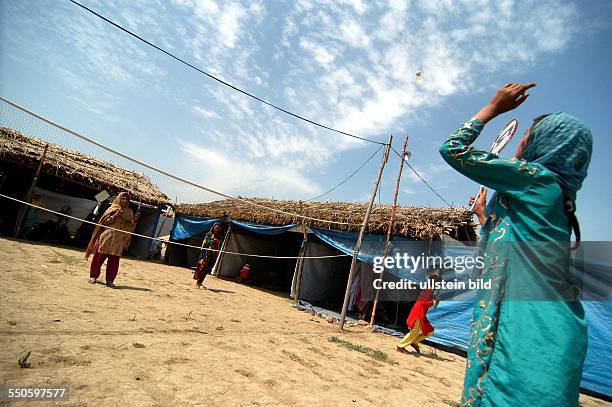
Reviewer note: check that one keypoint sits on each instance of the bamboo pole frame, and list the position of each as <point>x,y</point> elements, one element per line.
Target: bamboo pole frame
<point>349,283</point>
<point>390,229</point>
<point>300,266</point>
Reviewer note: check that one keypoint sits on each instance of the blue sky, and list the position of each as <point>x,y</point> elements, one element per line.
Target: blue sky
<point>347,64</point>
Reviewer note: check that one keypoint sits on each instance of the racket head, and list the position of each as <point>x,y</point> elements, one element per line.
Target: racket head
<point>504,136</point>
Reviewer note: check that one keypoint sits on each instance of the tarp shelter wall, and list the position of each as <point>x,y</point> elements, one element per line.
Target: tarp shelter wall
<point>188,230</point>
<point>147,224</point>
<point>323,280</point>
<point>80,208</point>
<point>243,237</point>
<point>262,240</point>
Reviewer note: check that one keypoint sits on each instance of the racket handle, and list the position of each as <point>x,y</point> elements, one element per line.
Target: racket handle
<point>480,190</point>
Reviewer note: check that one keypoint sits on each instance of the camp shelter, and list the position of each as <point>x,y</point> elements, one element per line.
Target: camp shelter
<point>324,280</point>
<point>68,183</point>
<point>274,248</point>
<point>269,227</point>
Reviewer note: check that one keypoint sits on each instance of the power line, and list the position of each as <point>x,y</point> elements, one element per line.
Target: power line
<point>219,79</point>
<point>347,178</point>
<point>421,178</point>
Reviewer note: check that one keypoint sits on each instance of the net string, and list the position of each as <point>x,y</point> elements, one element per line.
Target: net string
<point>167,174</point>
<point>157,239</point>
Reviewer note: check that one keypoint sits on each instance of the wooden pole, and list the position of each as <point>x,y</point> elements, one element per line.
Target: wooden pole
<point>300,266</point>
<point>219,261</point>
<point>390,228</point>
<point>347,293</point>
<point>28,196</point>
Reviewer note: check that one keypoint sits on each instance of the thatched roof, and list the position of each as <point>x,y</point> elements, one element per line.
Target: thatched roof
<point>410,221</point>
<point>79,168</point>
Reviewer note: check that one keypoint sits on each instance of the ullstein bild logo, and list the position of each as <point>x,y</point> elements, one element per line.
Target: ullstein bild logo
<point>403,284</point>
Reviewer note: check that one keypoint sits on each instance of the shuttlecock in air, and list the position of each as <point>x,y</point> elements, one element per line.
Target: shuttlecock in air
<point>419,77</point>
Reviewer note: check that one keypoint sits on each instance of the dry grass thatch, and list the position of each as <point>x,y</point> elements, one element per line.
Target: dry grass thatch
<point>410,221</point>
<point>79,168</point>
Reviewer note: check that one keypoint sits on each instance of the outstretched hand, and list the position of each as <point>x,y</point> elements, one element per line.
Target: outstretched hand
<point>507,98</point>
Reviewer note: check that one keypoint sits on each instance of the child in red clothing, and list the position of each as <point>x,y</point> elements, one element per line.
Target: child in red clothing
<point>419,325</point>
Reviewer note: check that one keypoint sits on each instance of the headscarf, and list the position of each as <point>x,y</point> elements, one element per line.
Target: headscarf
<point>115,206</point>
<point>218,235</point>
<point>562,144</point>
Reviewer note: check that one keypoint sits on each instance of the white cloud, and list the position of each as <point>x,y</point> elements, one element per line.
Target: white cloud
<point>428,173</point>
<point>230,24</point>
<point>206,114</point>
<point>234,175</point>
<point>354,34</point>
<point>319,52</point>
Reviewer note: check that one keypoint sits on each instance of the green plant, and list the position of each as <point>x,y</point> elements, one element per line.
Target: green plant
<point>23,360</point>
<point>373,353</point>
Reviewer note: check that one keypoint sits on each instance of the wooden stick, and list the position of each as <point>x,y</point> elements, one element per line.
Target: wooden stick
<point>349,283</point>
<point>219,262</point>
<point>28,196</point>
<point>300,266</point>
<point>390,228</point>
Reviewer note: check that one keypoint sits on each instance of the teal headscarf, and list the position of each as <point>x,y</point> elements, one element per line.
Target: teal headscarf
<point>563,144</point>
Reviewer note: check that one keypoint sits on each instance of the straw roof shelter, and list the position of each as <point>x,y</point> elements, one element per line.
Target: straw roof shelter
<point>78,168</point>
<point>410,221</point>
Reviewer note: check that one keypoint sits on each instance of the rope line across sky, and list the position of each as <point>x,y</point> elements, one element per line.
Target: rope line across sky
<point>420,177</point>
<point>219,79</point>
<point>418,74</point>
<point>347,178</point>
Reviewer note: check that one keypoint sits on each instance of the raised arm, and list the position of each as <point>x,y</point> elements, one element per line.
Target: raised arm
<point>511,176</point>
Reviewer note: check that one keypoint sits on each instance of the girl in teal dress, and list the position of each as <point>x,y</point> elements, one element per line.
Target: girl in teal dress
<point>528,336</point>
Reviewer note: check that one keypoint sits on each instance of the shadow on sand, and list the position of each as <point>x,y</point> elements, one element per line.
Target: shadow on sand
<point>127,287</point>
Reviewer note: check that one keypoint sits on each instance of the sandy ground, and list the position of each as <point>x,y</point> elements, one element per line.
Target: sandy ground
<point>159,341</point>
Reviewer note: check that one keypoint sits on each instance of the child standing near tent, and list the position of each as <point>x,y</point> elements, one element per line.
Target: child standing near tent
<point>207,258</point>
<point>419,325</point>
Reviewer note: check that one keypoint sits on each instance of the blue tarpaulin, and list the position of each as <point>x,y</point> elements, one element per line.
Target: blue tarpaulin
<point>371,245</point>
<point>187,226</point>
<point>263,229</point>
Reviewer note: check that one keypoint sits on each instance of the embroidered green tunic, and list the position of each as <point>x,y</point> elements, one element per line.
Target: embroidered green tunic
<point>528,339</point>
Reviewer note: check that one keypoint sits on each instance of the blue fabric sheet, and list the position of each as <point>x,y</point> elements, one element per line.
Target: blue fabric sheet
<point>371,245</point>
<point>263,229</point>
<point>187,226</point>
